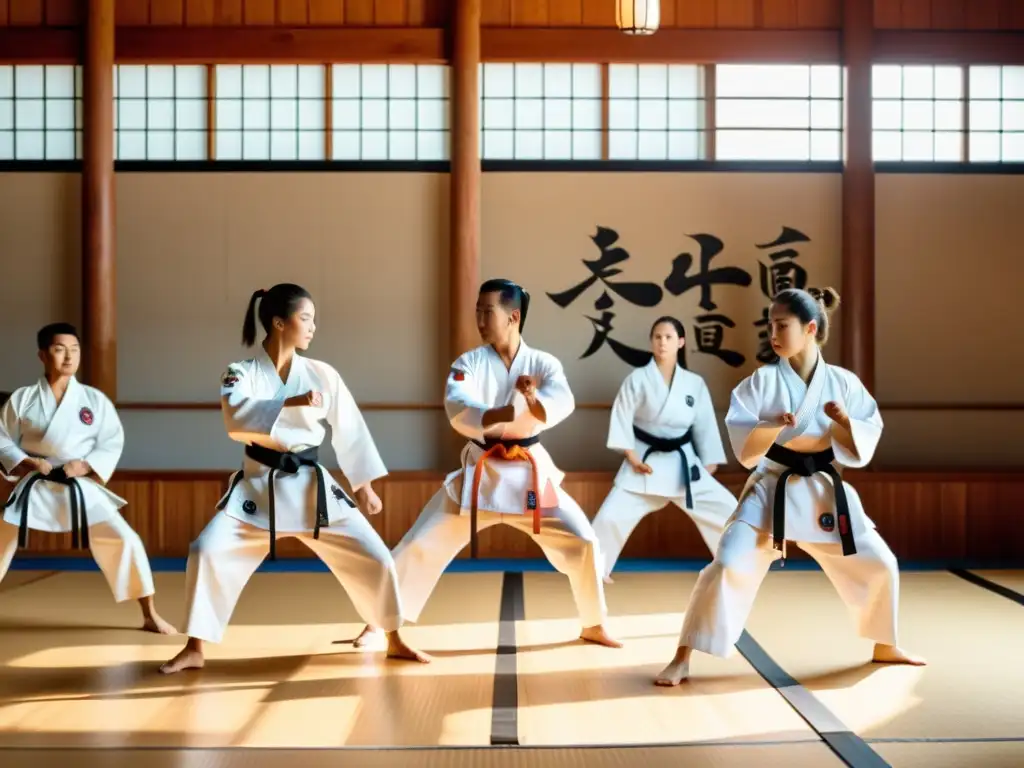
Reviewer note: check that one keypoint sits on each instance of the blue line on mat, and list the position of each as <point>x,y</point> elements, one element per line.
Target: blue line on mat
<point>313,565</point>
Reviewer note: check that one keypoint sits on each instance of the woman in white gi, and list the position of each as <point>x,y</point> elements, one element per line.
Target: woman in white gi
<point>796,423</point>
<point>663,420</point>
<point>60,440</point>
<point>275,404</point>
<point>501,397</point>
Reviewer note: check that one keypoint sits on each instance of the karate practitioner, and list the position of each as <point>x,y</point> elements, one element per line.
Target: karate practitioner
<point>275,404</point>
<point>664,422</point>
<point>501,396</point>
<point>60,441</point>
<point>796,423</point>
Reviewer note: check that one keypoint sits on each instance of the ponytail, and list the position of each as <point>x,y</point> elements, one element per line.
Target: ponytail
<point>249,325</point>
<point>282,301</point>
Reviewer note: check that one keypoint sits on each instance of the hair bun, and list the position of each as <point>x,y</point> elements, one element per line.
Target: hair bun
<point>828,297</point>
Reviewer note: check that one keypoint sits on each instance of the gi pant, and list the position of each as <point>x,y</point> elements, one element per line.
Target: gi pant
<point>116,548</point>
<point>228,551</point>
<point>868,582</point>
<point>440,533</point>
<point>623,510</point>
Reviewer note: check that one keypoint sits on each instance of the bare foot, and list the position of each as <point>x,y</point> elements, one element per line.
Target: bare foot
<point>186,659</point>
<point>397,649</point>
<point>608,580</point>
<point>369,636</point>
<point>156,623</point>
<point>890,654</point>
<point>600,636</point>
<point>677,670</point>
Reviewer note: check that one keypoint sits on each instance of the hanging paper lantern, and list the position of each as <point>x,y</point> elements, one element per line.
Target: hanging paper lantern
<point>638,17</point>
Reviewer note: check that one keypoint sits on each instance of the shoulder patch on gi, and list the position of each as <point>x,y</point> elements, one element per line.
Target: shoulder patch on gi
<point>690,401</point>
<point>86,417</point>
<point>458,375</point>
<point>249,507</point>
<point>230,378</point>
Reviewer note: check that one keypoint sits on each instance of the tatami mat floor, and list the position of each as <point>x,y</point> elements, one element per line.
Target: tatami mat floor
<point>78,686</point>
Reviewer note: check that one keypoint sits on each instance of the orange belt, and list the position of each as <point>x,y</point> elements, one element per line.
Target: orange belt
<point>513,453</point>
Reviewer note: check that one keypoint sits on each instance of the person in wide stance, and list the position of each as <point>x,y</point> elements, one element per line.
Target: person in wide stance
<point>796,423</point>
<point>275,404</point>
<point>502,396</point>
<point>663,422</point>
<point>60,441</point>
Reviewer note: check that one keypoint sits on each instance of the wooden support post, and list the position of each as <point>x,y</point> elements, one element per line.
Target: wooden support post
<point>464,277</point>
<point>858,272</point>
<point>99,287</point>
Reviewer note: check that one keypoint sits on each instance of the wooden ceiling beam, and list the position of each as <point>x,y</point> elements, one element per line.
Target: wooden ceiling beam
<point>211,45</point>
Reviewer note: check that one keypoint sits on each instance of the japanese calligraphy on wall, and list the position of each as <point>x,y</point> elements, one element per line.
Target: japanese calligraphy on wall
<point>712,328</point>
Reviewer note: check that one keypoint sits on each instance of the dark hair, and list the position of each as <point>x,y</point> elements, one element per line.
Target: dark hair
<point>813,304</point>
<point>680,329</point>
<point>46,334</point>
<point>280,301</point>
<point>511,295</point>
<point>4,397</point>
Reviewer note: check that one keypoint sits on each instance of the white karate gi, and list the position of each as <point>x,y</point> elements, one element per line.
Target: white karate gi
<point>478,382</point>
<point>868,581</point>
<point>232,546</point>
<point>644,400</point>
<point>83,426</point>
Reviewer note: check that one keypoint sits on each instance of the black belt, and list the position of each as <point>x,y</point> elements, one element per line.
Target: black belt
<point>287,461</point>
<point>805,465</point>
<point>79,516</point>
<point>487,443</point>
<point>670,445</point>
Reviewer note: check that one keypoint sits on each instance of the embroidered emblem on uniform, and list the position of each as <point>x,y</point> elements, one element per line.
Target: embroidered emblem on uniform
<point>85,415</point>
<point>827,521</point>
<point>531,500</point>
<point>249,506</point>
<point>689,400</point>
<point>229,380</point>
<point>458,375</point>
<point>694,474</point>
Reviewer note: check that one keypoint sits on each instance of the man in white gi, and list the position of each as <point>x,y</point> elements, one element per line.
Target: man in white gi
<point>60,441</point>
<point>501,396</point>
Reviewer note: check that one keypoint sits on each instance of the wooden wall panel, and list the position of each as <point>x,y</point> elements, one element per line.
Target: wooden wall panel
<point>949,15</point>
<point>924,516</point>
<point>25,12</point>
<point>326,12</point>
<point>169,13</point>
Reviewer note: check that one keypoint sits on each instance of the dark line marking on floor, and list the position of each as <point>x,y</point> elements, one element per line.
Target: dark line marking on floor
<point>991,586</point>
<point>848,746</point>
<point>505,707</point>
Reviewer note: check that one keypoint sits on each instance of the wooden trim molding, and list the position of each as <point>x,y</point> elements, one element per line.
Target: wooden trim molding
<point>929,515</point>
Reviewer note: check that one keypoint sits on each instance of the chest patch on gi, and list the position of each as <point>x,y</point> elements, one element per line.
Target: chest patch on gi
<point>86,417</point>
<point>249,507</point>
<point>827,521</point>
<point>531,500</point>
<point>690,401</point>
